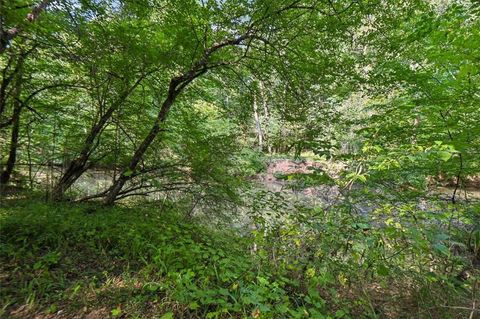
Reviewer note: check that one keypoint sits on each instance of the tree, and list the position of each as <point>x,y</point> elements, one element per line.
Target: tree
<point>425,117</point>
<point>102,67</point>
<point>254,36</point>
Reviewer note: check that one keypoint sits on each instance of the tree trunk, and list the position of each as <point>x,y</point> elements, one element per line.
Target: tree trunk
<point>12,154</point>
<point>258,126</point>
<point>266,112</point>
<point>130,169</point>
<point>6,80</point>
<point>80,164</point>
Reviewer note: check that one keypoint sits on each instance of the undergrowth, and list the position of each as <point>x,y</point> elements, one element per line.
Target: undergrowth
<point>80,261</point>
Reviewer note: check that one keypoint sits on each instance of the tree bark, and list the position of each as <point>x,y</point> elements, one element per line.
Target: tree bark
<point>258,126</point>
<point>266,113</point>
<point>12,154</point>
<point>80,164</point>
<point>6,80</point>
<point>128,171</point>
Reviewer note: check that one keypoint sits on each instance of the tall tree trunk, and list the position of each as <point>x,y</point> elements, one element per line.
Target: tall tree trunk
<point>148,140</point>
<point>29,156</point>
<point>80,164</point>
<point>12,154</point>
<point>258,126</point>
<point>6,80</point>
<point>266,113</point>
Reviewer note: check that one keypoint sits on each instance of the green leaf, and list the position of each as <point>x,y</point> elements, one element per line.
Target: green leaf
<point>193,305</point>
<point>383,270</point>
<point>444,155</point>
<point>116,312</point>
<point>168,315</point>
<point>441,248</point>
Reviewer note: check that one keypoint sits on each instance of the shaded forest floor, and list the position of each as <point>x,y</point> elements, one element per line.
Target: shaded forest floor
<point>81,261</point>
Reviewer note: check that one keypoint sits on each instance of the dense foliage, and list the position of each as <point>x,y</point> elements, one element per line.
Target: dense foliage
<point>239,158</point>
<point>137,262</point>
